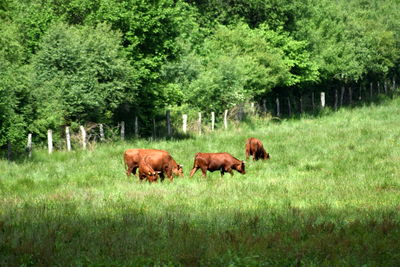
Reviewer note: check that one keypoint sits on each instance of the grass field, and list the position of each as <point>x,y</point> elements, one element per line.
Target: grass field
<point>329,196</point>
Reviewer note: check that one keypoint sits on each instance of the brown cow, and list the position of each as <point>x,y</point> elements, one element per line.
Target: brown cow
<point>160,161</point>
<point>223,162</point>
<point>255,148</point>
<point>146,171</point>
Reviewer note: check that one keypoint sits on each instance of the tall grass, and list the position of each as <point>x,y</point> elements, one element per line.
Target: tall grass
<point>329,195</point>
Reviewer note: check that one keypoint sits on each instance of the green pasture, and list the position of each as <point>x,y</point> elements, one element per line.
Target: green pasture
<point>329,196</point>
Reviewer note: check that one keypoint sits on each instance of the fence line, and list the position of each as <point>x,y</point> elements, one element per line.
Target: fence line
<point>292,106</point>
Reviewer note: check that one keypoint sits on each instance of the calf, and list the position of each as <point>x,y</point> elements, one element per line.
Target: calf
<point>146,171</point>
<point>255,148</point>
<point>224,162</point>
<point>160,161</point>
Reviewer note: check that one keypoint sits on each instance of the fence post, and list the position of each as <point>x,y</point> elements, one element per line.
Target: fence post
<point>350,96</point>
<point>385,86</point>
<point>278,111</point>
<point>226,119</point>
<point>122,130</point>
<point>322,99</point>
<point>199,123</point>
<point>336,100</point>
<point>68,137</point>
<point>370,90</point>
<point>136,127</point>
<point>253,110</point>
<point>265,105</point>
<point>184,124</point>
<point>83,133</point>
<point>168,115</point>
<point>101,133</point>
<point>212,120</point>
<point>341,96</point>
<point>29,145</point>
<point>379,88</point>
<point>50,140</point>
<point>394,84</point>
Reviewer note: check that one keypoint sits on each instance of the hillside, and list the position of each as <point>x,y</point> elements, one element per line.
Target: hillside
<point>329,195</point>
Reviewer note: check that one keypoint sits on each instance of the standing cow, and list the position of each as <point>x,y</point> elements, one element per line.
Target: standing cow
<point>255,148</point>
<point>160,160</point>
<point>223,162</point>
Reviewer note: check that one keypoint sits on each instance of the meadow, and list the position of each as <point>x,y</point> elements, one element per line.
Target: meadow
<point>329,196</point>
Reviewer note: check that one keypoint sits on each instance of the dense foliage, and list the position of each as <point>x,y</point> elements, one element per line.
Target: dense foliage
<point>64,62</point>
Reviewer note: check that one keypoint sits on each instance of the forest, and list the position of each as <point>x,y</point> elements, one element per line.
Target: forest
<point>77,62</point>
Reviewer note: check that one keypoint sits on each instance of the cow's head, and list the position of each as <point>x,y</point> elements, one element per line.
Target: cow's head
<point>178,170</point>
<point>152,176</point>
<point>241,167</point>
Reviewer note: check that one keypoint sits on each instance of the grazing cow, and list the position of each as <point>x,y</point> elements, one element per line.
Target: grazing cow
<point>223,162</point>
<point>146,171</point>
<point>255,148</point>
<point>160,161</point>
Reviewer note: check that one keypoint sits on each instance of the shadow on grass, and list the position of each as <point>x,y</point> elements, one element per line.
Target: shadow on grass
<point>122,234</point>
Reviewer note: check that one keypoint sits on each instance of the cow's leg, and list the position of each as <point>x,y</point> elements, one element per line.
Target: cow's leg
<point>134,168</point>
<point>204,171</point>
<point>247,154</point>
<point>129,170</point>
<point>229,170</point>
<point>193,171</point>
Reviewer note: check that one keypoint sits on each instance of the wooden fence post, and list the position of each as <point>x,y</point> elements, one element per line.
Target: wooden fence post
<point>50,140</point>
<point>199,123</point>
<point>370,90</point>
<point>341,96</point>
<point>336,100</point>
<point>322,99</point>
<point>278,111</point>
<point>394,84</point>
<point>168,115</point>
<point>184,124</point>
<point>83,133</point>
<point>122,130</point>
<point>212,120</point>
<point>253,110</point>
<point>289,108</point>
<point>265,105</point>
<point>379,88</point>
<point>68,137</point>
<point>101,133</point>
<point>385,86</point>
<point>136,127</point>
<point>29,145</point>
<point>350,96</point>
<point>226,119</point>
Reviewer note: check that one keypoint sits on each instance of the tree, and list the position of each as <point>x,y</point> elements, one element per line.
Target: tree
<point>83,74</point>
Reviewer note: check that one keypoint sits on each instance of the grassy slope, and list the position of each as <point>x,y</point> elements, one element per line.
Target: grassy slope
<point>330,195</point>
